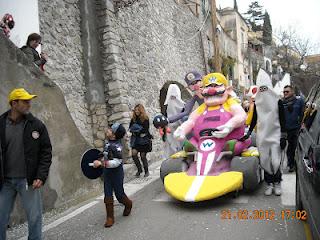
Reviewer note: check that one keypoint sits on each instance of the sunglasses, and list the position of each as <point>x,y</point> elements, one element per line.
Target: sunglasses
<point>286,91</point>
<point>194,82</point>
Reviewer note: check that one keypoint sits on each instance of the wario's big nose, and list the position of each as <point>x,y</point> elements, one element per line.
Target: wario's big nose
<point>211,91</point>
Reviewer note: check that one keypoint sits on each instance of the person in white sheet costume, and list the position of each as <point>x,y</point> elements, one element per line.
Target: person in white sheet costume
<point>175,105</point>
<point>271,139</point>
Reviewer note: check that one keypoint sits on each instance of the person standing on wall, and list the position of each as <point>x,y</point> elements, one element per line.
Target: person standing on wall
<point>6,24</point>
<point>141,138</point>
<point>24,163</point>
<point>34,40</point>
<point>293,108</point>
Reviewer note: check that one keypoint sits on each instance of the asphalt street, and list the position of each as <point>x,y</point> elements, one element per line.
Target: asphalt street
<point>156,215</point>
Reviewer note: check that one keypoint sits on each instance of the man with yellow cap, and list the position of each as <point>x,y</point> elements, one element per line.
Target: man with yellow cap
<point>24,162</point>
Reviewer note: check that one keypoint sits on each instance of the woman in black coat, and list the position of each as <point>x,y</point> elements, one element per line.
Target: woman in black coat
<point>141,138</point>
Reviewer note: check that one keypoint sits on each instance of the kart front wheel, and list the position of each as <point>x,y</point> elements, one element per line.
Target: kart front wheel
<point>171,166</point>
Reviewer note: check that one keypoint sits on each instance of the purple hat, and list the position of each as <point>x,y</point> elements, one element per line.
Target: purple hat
<point>192,76</point>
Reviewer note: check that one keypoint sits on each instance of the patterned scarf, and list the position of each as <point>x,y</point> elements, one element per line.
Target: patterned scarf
<point>288,102</point>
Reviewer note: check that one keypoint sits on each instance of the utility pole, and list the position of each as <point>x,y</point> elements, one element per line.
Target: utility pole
<point>215,38</point>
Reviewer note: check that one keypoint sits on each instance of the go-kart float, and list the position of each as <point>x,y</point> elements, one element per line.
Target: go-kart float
<point>215,126</point>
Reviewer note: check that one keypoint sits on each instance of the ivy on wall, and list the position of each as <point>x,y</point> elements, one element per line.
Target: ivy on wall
<point>227,66</point>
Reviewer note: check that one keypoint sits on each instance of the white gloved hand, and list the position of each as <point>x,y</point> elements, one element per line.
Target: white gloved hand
<point>224,130</point>
<point>179,134</point>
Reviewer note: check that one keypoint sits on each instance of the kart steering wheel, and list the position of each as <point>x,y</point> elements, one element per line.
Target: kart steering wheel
<point>207,132</point>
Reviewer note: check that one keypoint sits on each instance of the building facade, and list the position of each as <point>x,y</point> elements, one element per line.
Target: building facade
<point>237,28</point>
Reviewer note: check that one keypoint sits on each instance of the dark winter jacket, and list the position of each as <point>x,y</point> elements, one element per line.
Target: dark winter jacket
<point>294,113</point>
<point>145,127</point>
<point>33,55</point>
<point>37,149</point>
<point>141,141</point>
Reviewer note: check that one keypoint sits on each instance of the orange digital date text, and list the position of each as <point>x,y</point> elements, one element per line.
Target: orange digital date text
<point>263,214</point>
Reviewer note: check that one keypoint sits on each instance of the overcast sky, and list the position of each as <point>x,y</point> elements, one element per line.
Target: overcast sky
<point>304,15</point>
<point>25,15</point>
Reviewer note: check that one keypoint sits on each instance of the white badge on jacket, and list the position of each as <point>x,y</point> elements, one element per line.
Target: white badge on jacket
<point>35,134</point>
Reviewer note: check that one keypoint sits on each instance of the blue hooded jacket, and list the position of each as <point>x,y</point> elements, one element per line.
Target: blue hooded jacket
<point>293,113</point>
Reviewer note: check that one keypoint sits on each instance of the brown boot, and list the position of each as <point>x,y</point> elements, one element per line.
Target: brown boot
<point>109,209</point>
<point>127,205</point>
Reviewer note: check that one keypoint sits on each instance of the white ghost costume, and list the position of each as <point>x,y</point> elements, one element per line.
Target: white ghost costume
<point>268,124</point>
<point>175,106</point>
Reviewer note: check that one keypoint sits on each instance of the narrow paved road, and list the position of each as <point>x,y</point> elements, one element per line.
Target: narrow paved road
<point>157,216</point>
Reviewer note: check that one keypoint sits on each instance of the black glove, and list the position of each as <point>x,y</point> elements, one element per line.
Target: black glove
<point>283,143</point>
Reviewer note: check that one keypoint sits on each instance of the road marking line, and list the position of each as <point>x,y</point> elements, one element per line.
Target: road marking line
<point>288,195</point>
<point>130,190</point>
<point>65,218</point>
<point>100,198</point>
<point>307,230</point>
<point>286,227</point>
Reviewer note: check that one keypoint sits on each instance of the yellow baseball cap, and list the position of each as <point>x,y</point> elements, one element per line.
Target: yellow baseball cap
<point>20,94</point>
<point>214,78</point>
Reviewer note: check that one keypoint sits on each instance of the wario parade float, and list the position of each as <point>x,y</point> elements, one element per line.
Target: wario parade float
<point>209,165</point>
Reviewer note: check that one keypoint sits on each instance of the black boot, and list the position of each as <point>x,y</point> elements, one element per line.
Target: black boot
<point>145,166</point>
<point>138,164</point>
